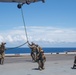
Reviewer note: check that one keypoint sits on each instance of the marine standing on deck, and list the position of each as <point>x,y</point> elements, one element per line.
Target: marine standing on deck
<point>74,65</point>
<point>2,52</point>
<point>41,59</point>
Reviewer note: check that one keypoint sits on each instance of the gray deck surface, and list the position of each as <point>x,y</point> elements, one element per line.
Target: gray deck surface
<point>59,64</point>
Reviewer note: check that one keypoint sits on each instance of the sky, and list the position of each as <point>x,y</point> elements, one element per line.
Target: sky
<point>49,24</point>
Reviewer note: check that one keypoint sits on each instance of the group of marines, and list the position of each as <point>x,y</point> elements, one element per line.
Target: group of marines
<point>37,55</point>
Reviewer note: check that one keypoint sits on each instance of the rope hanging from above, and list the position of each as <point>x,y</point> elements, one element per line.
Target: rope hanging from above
<point>24,24</point>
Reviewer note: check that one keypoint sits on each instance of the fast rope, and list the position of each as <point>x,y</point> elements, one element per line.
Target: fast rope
<point>24,23</point>
<point>16,47</point>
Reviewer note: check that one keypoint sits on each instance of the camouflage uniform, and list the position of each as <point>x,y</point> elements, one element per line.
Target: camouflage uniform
<point>41,60</point>
<point>38,49</point>
<point>2,52</point>
<point>33,51</point>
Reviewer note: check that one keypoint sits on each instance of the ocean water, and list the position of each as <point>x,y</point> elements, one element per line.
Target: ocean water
<point>46,50</point>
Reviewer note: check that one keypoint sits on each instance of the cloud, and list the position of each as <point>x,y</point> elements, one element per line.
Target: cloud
<point>45,34</point>
<point>52,34</point>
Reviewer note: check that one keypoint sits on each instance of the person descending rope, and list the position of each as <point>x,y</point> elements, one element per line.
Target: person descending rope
<point>33,50</point>
<point>2,52</point>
